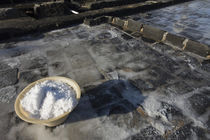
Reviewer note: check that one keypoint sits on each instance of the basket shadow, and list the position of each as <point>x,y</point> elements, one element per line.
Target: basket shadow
<point>110,98</point>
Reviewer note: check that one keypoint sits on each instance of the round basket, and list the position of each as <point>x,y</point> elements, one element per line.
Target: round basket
<point>24,115</point>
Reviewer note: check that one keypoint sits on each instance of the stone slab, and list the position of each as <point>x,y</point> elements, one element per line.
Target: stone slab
<point>152,33</point>
<point>174,40</point>
<point>7,94</point>
<point>197,48</point>
<point>85,75</point>
<point>8,77</point>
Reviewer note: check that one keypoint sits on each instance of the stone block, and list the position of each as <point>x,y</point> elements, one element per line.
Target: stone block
<point>49,9</point>
<point>200,103</point>
<point>86,75</point>
<point>178,88</point>
<point>190,75</point>
<point>171,112</point>
<point>7,94</point>
<point>174,40</point>
<point>58,68</point>
<point>143,85</point>
<point>122,114</point>
<point>4,66</point>
<point>157,76</point>
<point>133,26</point>
<point>81,61</point>
<point>188,131</point>
<point>55,56</point>
<point>152,33</point>
<point>118,22</point>
<point>168,64</point>
<point>32,62</point>
<point>101,96</point>
<point>8,77</point>
<point>32,75</point>
<point>147,133</point>
<point>197,48</point>
<point>113,91</point>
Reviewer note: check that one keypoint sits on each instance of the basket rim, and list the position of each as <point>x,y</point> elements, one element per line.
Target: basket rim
<point>22,114</point>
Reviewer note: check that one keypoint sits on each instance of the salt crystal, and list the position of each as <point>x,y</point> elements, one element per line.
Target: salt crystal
<point>49,99</point>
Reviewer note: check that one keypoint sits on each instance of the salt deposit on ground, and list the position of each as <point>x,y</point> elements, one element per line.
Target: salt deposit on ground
<point>49,99</point>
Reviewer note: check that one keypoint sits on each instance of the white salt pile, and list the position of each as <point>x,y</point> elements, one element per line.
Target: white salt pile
<point>49,99</point>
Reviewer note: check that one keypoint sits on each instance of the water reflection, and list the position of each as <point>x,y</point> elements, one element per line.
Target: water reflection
<point>191,19</point>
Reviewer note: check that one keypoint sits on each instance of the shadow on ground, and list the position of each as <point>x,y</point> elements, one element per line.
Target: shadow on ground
<point>110,98</point>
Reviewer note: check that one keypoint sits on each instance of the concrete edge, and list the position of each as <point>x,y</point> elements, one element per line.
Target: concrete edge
<point>159,35</point>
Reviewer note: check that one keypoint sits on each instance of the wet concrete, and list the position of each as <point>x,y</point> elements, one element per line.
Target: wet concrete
<point>190,19</point>
<point>131,89</point>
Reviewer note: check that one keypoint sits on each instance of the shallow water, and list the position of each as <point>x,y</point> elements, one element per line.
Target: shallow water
<point>190,19</point>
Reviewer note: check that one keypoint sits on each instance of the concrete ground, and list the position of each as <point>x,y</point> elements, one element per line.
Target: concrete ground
<point>131,88</point>
<point>190,19</point>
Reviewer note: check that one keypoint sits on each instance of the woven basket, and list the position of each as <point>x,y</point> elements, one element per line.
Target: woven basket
<point>24,115</point>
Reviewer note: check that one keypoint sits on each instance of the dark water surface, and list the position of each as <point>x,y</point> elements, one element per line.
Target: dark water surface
<point>190,19</point>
